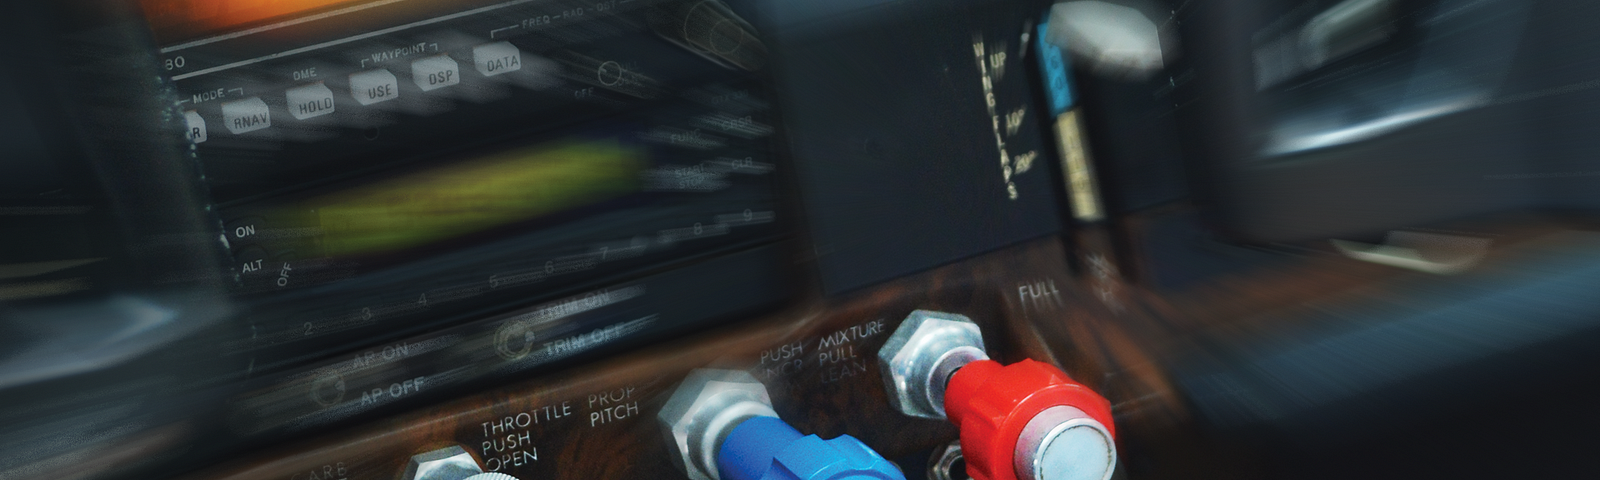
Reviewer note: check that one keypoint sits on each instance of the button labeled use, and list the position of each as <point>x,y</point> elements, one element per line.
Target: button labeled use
<point>497,58</point>
<point>373,86</point>
<point>248,115</point>
<point>309,101</point>
<point>196,131</point>
<point>435,72</point>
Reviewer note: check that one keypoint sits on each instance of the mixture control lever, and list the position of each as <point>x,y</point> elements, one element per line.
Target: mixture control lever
<point>1024,421</point>
<point>724,428</point>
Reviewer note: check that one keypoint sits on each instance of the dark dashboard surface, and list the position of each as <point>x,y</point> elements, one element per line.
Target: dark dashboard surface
<point>430,240</point>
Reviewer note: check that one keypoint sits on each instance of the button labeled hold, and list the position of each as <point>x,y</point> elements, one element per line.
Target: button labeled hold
<point>374,86</point>
<point>309,101</point>
<point>435,72</point>
<point>248,115</point>
<point>497,58</point>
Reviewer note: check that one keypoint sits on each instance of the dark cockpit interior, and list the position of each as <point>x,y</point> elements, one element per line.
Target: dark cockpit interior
<point>799,240</point>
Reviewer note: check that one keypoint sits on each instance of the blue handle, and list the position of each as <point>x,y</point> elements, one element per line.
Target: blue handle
<point>766,448</point>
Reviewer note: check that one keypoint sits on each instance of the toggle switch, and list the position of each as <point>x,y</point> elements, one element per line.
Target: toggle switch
<point>724,428</point>
<point>1024,421</point>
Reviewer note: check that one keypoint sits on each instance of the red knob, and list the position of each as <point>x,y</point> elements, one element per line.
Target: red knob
<point>1029,421</point>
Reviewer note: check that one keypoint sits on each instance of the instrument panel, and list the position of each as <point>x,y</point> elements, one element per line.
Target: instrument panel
<point>756,239</point>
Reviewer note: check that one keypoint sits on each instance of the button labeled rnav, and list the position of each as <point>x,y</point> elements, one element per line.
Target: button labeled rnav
<point>248,115</point>
<point>435,72</point>
<point>373,86</point>
<point>309,101</point>
<point>497,58</point>
<point>196,131</point>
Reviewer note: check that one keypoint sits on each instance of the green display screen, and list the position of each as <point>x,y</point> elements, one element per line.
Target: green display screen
<point>475,195</point>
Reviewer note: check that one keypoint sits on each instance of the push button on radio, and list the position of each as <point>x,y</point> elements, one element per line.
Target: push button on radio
<point>374,86</point>
<point>195,126</point>
<point>497,58</point>
<point>244,116</point>
<point>310,101</point>
<point>435,72</point>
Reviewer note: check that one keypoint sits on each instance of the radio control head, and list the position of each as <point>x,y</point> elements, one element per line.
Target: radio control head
<point>704,410</point>
<point>449,463</point>
<point>919,358</point>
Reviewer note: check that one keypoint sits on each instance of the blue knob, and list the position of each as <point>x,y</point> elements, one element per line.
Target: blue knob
<point>766,448</point>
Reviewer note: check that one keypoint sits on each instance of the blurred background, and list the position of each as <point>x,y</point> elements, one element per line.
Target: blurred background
<point>1281,238</point>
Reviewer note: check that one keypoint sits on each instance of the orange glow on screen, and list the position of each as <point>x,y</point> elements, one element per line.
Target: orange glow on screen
<point>213,15</point>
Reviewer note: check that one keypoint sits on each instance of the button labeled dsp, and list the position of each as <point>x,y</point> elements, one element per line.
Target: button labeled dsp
<point>435,72</point>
